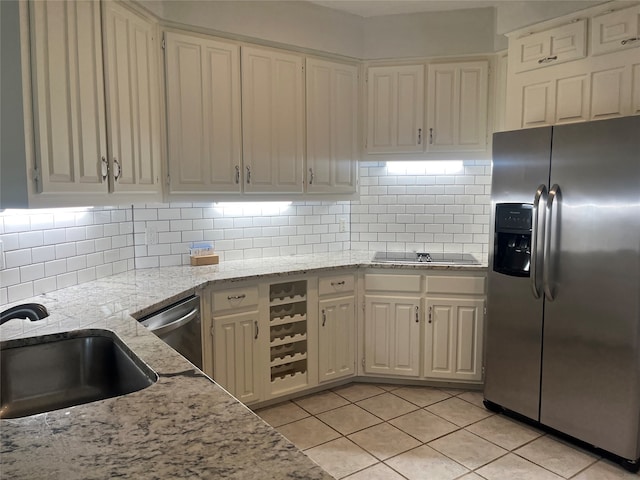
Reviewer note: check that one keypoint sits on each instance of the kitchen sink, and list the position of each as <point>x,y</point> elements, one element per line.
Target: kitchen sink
<point>440,258</point>
<point>62,370</point>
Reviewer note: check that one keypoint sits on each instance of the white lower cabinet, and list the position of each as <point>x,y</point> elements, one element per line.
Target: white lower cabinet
<point>237,356</point>
<point>453,338</point>
<point>392,335</point>
<point>336,338</point>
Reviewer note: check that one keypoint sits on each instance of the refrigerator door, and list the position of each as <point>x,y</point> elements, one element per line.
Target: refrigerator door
<point>590,367</point>
<point>514,316</point>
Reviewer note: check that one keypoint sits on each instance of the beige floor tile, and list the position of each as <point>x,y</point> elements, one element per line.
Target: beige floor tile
<point>320,402</point>
<point>384,440</point>
<point>559,457</point>
<point>504,432</point>
<point>388,386</point>
<point>421,396</point>
<point>387,406</point>
<point>458,411</point>
<point>282,413</point>
<point>471,476</point>
<point>475,397</point>
<point>453,391</point>
<point>423,425</point>
<point>348,419</point>
<point>358,391</point>
<point>308,432</point>
<point>467,449</point>
<point>605,470</point>
<point>341,457</point>
<point>424,463</point>
<point>379,471</point>
<point>512,467</point>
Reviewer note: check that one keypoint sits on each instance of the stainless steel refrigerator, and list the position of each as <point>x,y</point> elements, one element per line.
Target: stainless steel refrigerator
<point>563,307</point>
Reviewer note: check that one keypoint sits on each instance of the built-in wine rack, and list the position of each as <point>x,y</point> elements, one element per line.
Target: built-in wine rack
<point>288,334</point>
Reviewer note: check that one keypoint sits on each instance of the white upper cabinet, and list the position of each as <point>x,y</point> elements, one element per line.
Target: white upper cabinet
<point>603,84</point>
<point>550,47</point>
<point>617,30</point>
<point>457,106</point>
<point>68,97</point>
<point>133,114</point>
<point>395,114</point>
<point>272,120</point>
<point>332,126</point>
<point>203,114</point>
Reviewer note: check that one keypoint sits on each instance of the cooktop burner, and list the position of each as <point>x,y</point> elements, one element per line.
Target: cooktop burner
<point>424,257</point>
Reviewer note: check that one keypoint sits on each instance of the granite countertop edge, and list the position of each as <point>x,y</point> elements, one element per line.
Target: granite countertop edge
<point>184,425</point>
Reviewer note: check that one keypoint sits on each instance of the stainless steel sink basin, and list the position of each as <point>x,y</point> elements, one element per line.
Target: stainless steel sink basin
<point>438,258</point>
<point>58,371</point>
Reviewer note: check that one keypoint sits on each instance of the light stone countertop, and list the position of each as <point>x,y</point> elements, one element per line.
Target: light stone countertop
<point>184,425</point>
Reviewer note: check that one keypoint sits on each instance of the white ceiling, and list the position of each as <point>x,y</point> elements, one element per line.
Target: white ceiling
<point>376,8</point>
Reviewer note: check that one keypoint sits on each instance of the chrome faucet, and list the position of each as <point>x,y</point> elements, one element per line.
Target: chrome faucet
<point>32,311</point>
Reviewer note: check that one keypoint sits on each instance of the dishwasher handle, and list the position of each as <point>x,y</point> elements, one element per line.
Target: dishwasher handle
<point>163,329</point>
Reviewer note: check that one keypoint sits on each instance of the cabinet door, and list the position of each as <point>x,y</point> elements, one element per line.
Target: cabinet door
<point>616,30</point>
<point>332,126</point>
<point>457,107</point>
<point>133,100</point>
<point>453,338</point>
<point>272,121</point>
<point>203,114</point>
<point>392,335</point>
<point>336,338</point>
<point>395,114</point>
<point>68,97</point>
<point>236,355</point>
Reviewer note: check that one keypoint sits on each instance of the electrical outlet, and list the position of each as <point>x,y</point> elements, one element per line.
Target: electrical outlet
<point>151,235</point>
<point>342,225</point>
<point>1,256</point>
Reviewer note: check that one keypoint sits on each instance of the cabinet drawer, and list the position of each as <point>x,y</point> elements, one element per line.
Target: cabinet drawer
<point>339,284</point>
<point>392,283</point>
<point>616,30</point>
<point>235,298</point>
<point>456,285</point>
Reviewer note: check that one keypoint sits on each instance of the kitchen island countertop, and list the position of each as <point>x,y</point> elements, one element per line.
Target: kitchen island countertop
<point>184,425</point>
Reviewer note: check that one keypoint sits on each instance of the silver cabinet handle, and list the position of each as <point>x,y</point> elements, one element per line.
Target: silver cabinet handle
<point>311,175</point>
<point>236,297</point>
<point>337,284</point>
<point>547,59</point>
<point>538,197</point>
<point>430,308</point>
<point>419,136</point>
<point>553,192</point>
<point>417,314</point>
<point>629,40</point>
<point>324,317</point>
<point>248,175</point>
<point>255,323</point>
<point>104,168</point>
<point>431,136</point>
<point>117,173</point>
<point>237,174</point>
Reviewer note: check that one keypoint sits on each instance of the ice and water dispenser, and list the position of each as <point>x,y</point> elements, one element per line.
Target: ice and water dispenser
<point>512,240</point>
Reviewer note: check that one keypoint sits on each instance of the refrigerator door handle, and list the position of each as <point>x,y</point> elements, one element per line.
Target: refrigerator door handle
<point>553,192</point>
<point>540,195</point>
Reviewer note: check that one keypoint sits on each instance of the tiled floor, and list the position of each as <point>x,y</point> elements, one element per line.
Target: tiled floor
<point>370,432</point>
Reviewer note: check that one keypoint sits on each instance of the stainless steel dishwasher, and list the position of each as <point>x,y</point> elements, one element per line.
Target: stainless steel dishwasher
<point>179,326</point>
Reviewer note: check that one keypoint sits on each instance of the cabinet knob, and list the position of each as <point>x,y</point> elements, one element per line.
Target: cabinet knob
<point>417,314</point>
<point>629,40</point>
<point>419,136</point>
<point>324,317</point>
<point>430,314</point>
<point>104,168</point>
<point>117,169</point>
<point>237,174</point>
<point>311,176</point>
<point>431,136</point>
<point>257,329</point>
<point>248,175</point>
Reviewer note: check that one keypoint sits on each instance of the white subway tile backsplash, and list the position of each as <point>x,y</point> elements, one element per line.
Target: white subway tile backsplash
<point>17,258</point>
